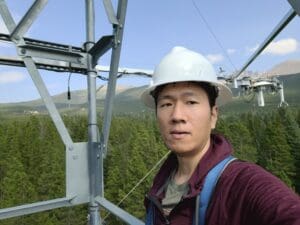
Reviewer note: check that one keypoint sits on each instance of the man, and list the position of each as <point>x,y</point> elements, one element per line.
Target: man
<point>185,93</point>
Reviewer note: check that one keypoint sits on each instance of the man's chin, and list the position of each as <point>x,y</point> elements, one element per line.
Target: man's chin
<point>182,151</point>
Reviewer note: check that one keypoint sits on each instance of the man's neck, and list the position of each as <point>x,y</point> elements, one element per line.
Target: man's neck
<point>188,164</point>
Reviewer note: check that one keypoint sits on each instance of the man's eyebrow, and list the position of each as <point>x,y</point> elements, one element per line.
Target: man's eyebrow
<point>188,94</point>
<point>162,97</point>
<point>171,97</point>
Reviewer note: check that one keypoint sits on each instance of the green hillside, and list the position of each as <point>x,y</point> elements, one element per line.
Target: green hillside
<point>128,102</point>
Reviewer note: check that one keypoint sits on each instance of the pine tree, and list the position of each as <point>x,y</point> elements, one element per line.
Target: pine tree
<point>15,186</point>
<point>276,155</point>
<point>292,134</point>
<point>242,142</point>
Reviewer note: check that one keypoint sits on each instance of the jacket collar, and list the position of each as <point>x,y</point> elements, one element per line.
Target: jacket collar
<point>219,149</point>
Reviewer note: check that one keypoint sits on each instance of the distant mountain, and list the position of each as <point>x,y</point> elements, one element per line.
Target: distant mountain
<point>77,97</point>
<point>285,68</point>
<point>127,101</point>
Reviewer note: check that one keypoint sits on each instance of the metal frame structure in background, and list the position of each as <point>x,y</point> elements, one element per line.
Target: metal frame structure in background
<point>282,24</point>
<point>261,85</point>
<point>84,161</point>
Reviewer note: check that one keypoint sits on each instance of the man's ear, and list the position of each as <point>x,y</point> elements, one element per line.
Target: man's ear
<point>214,116</point>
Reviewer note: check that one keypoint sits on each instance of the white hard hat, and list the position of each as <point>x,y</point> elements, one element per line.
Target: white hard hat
<point>182,65</point>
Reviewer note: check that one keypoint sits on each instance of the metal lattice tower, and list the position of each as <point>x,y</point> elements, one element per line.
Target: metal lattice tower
<point>84,161</point>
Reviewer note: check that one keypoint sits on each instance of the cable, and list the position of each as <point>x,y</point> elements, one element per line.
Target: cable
<point>69,92</point>
<point>213,34</point>
<point>140,181</point>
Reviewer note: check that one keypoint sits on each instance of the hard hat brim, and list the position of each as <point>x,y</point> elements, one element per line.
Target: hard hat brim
<point>225,94</point>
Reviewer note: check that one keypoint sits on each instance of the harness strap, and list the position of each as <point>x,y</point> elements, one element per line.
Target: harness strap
<point>204,197</point>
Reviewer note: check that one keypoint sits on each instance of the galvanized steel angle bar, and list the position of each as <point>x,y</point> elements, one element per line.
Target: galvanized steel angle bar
<point>282,24</point>
<point>62,130</point>
<point>120,213</point>
<point>101,47</point>
<point>34,207</point>
<point>29,63</point>
<point>52,53</point>
<point>115,58</point>
<point>110,12</point>
<point>28,19</point>
<point>6,16</point>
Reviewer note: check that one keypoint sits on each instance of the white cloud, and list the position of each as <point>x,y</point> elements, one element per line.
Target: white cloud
<point>252,49</point>
<point>231,51</point>
<point>282,47</point>
<point>11,77</point>
<point>4,44</point>
<point>215,58</point>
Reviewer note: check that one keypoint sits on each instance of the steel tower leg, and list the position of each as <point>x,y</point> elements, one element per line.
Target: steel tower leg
<point>94,171</point>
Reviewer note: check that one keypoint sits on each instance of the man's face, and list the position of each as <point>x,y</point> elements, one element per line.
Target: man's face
<point>185,118</point>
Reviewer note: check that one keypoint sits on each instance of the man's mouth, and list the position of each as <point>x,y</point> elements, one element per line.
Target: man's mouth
<point>178,134</point>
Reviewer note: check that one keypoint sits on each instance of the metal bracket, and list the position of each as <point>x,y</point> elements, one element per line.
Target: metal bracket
<point>95,168</point>
<point>52,53</point>
<point>101,47</point>
<point>65,65</point>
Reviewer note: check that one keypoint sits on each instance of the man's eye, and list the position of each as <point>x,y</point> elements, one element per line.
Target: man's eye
<point>166,104</point>
<point>191,102</point>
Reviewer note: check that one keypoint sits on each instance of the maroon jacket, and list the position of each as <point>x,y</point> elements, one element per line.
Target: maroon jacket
<point>245,194</point>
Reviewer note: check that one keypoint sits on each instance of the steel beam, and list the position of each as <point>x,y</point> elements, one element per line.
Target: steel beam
<point>34,207</point>
<point>52,53</point>
<point>28,19</point>
<point>118,212</point>
<point>52,65</point>
<point>110,12</point>
<point>54,114</point>
<point>287,18</point>
<point>115,58</point>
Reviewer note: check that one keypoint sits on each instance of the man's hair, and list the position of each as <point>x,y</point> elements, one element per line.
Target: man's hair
<point>211,91</point>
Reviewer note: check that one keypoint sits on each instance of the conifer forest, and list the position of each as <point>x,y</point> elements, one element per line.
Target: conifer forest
<point>32,158</point>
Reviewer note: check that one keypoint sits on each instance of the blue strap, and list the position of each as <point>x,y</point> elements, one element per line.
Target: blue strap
<point>209,186</point>
<point>150,215</point>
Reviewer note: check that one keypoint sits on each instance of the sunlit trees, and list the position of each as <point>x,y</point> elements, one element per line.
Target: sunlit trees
<point>32,158</point>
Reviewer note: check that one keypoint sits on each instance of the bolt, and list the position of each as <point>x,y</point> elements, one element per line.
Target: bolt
<point>23,51</point>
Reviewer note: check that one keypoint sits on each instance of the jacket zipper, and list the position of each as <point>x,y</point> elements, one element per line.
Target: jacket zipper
<point>158,206</point>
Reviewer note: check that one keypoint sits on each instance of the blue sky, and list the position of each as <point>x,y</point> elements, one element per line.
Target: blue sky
<point>152,28</point>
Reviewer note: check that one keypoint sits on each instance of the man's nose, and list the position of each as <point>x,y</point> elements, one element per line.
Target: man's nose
<point>178,114</point>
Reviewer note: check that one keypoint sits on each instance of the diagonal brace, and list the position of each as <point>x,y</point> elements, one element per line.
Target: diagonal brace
<point>110,12</point>
<point>25,23</point>
<point>282,24</point>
